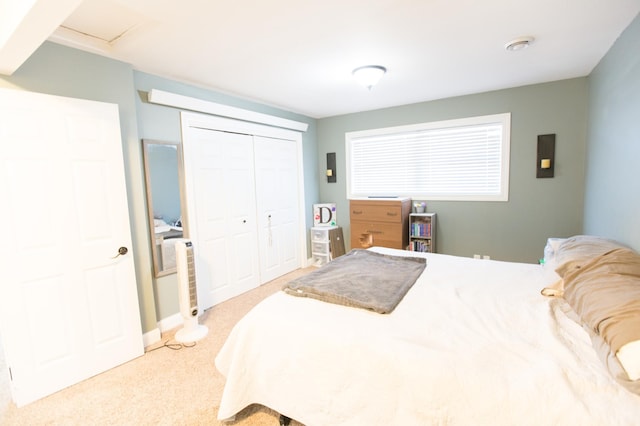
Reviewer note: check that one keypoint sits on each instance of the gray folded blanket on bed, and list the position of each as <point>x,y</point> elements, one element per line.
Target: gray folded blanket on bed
<point>362,279</point>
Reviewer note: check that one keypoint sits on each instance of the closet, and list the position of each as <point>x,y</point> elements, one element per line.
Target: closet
<point>243,200</point>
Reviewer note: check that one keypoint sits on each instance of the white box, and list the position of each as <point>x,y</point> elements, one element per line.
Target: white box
<point>324,214</point>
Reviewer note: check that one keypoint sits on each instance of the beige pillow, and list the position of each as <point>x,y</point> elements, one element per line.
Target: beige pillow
<point>574,252</point>
<point>571,253</point>
<point>605,293</point>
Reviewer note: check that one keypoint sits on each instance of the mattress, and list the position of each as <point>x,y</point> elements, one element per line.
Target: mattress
<point>472,342</point>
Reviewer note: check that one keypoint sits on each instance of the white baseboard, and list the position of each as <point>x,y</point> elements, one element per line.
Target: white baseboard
<point>171,322</point>
<point>151,337</point>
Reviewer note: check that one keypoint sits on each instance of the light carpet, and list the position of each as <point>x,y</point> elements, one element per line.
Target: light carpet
<point>162,387</point>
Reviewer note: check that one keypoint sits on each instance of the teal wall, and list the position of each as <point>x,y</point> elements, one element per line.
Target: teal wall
<point>163,123</point>
<point>606,104</point>
<point>62,71</point>
<point>612,199</point>
<point>537,208</point>
<point>59,70</point>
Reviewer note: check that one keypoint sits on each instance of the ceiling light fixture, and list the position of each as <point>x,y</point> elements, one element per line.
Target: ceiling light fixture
<point>369,75</point>
<point>519,43</point>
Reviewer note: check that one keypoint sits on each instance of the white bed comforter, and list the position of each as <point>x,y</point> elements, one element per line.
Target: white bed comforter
<point>472,343</point>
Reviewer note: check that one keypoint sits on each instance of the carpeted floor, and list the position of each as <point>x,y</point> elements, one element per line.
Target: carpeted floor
<point>162,387</point>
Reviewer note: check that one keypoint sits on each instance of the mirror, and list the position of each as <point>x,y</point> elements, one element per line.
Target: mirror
<point>164,176</point>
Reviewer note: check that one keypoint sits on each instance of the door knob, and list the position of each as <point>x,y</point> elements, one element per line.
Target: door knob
<point>121,252</point>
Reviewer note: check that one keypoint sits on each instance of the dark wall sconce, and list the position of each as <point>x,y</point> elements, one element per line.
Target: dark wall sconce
<point>331,167</point>
<point>546,156</point>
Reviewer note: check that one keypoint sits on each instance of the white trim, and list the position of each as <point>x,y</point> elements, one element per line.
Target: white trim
<point>151,337</point>
<point>503,118</point>
<point>161,97</point>
<point>170,322</point>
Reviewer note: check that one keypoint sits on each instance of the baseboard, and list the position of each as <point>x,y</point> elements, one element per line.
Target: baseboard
<point>151,337</point>
<point>170,322</point>
<point>165,324</point>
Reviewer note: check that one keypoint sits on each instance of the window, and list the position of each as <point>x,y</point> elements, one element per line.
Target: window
<point>465,159</point>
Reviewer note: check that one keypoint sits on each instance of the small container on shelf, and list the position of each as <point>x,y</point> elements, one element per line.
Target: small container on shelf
<point>419,207</point>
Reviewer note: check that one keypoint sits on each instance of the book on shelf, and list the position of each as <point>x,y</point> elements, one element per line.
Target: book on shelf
<point>421,229</point>
<point>420,246</point>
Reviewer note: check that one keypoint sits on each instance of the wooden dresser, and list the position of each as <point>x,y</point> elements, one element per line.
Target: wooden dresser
<point>382,222</point>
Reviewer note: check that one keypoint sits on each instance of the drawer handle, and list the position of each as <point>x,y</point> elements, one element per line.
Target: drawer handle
<point>375,232</point>
<point>392,214</point>
<point>356,211</point>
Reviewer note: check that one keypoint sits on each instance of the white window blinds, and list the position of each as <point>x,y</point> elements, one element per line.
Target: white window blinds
<point>453,160</point>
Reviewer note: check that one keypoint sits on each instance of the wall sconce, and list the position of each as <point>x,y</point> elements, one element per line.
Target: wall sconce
<point>331,167</point>
<point>546,156</point>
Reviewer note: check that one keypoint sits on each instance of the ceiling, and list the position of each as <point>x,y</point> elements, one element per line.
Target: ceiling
<point>298,55</point>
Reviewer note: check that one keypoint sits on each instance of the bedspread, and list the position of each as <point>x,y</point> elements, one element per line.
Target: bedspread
<point>472,343</point>
<point>362,279</point>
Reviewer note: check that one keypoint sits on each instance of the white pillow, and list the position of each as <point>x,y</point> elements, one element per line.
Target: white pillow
<point>629,357</point>
<point>159,222</point>
<point>551,250</point>
<point>549,265</point>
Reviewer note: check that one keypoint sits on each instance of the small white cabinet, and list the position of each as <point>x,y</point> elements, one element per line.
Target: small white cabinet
<point>326,244</point>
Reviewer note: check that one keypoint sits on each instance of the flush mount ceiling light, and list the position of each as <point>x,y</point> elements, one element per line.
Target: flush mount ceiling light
<point>519,43</point>
<point>369,75</point>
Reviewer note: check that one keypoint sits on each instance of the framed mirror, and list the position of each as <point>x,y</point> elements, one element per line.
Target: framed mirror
<point>164,176</point>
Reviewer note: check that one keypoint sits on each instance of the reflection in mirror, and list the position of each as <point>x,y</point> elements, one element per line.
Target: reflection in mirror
<point>164,179</point>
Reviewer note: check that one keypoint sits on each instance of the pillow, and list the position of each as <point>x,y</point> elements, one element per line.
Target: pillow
<point>575,251</point>
<point>605,293</point>
<point>571,253</point>
<point>549,265</point>
<point>551,251</point>
<point>159,222</point>
<point>629,357</point>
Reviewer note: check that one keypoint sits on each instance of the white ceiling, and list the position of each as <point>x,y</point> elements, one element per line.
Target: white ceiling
<point>298,55</point>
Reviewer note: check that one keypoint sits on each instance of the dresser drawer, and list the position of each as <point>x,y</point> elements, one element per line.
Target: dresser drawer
<point>383,234</point>
<point>320,247</point>
<point>376,211</point>
<point>318,234</point>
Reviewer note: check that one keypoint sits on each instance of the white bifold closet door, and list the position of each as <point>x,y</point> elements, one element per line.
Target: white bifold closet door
<point>243,210</point>
<point>276,191</point>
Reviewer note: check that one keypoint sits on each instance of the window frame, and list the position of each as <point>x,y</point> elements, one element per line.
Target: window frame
<point>504,119</point>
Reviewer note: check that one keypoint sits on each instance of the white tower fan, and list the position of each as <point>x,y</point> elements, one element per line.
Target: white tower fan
<point>188,294</point>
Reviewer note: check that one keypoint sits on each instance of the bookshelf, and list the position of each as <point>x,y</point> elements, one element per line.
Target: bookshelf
<point>422,232</point>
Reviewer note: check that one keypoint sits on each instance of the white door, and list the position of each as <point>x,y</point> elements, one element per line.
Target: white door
<point>68,301</point>
<point>221,212</point>
<point>276,163</point>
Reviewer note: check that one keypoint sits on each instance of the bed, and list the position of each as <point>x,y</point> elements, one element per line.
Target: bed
<point>471,342</point>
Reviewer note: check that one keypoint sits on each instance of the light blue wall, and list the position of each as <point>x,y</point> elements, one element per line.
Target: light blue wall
<point>62,71</point>
<point>537,208</point>
<point>59,70</point>
<point>515,230</point>
<point>163,123</point>
<point>612,186</point>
